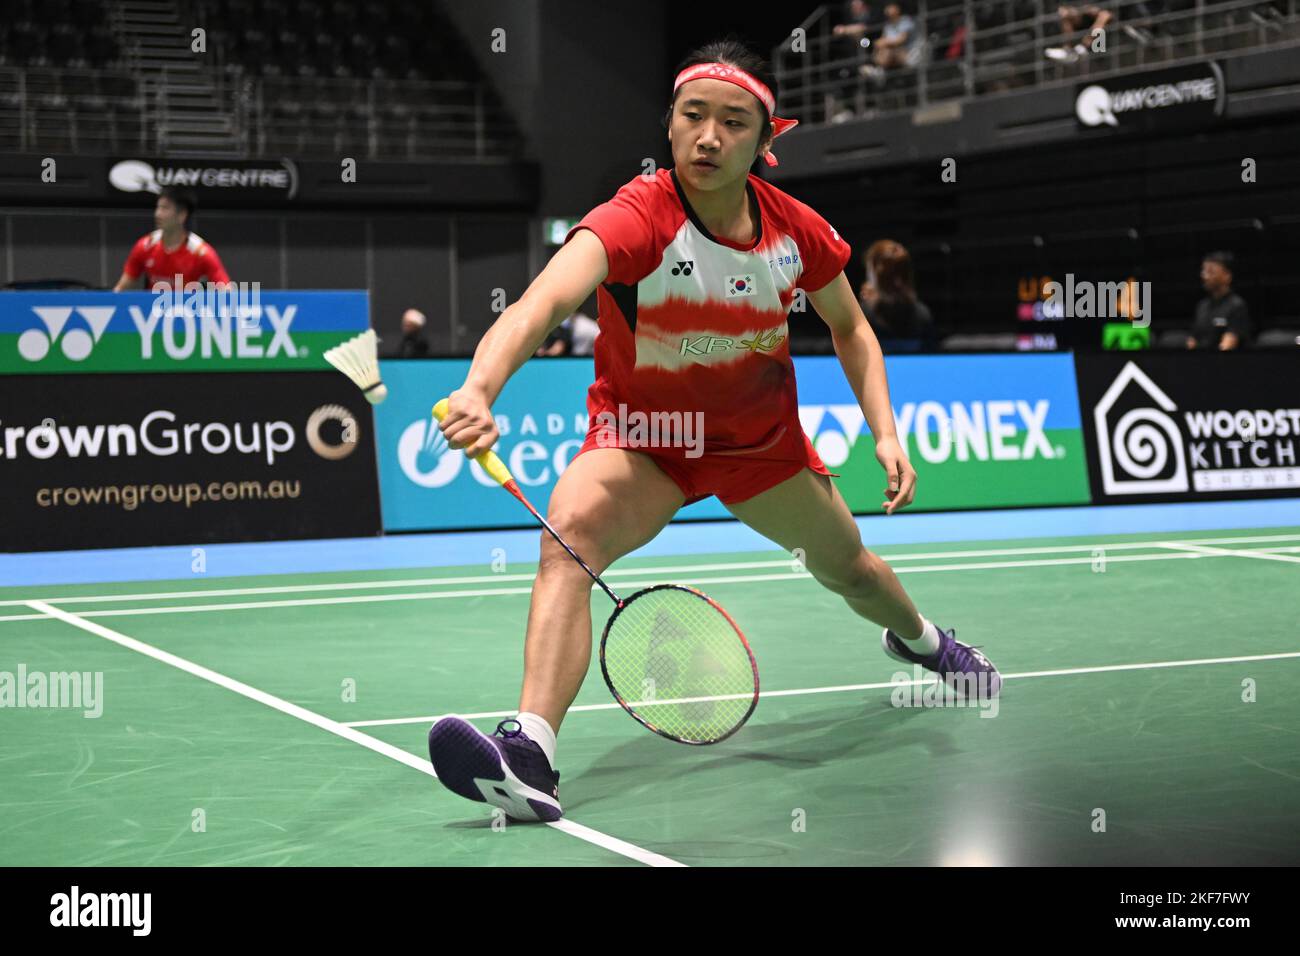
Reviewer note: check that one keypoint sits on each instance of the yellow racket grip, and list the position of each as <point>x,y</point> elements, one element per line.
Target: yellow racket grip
<point>488,460</point>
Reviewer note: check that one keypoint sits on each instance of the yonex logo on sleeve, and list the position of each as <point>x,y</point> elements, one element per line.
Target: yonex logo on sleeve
<point>34,345</point>
<point>684,267</point>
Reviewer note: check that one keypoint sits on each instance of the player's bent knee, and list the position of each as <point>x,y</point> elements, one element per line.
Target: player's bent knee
<point>555,560</point>
<point>857,578</point>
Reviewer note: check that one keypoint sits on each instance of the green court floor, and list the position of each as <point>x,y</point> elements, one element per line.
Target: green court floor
<point>282,719</point>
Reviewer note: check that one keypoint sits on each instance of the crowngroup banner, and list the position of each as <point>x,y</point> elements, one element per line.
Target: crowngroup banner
<point>983,431</point>
<point>104,461</point>
<point>241,331</point>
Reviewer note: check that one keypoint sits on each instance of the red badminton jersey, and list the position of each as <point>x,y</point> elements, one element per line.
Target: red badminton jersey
<point>194,259</point>
<point>692,322</point>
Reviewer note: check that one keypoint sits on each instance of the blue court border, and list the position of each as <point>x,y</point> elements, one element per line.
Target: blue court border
<point>707,537</point>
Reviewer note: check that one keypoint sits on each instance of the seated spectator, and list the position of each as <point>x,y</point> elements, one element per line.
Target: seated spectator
<point>851,39</point>
<point>1072,21</point>
<point>414,344</point>
<point>585,329</point>
<point>900,41</point>
<point>861,21</point>
<point>576,335</point>
<point>889,299</point>
<point>559,342</point>
<point>1222,320</point>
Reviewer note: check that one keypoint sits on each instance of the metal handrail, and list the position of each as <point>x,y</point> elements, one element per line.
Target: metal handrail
<point>815,80</point>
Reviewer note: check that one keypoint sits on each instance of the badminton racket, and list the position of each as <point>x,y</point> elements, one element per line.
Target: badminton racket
<point>672,656</point>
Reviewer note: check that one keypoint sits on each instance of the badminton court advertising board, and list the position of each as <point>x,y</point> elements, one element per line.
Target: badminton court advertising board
<point>103,461</point>
<point>542,417</point>
<point>982,431</point>
<point>244,330</point>
<point>1189,426</point>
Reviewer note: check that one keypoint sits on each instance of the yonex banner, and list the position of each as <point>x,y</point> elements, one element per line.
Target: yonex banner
<point>103,461</point>
<point>1187,426</point>
<point>244,329</point>
<point>982,431</point>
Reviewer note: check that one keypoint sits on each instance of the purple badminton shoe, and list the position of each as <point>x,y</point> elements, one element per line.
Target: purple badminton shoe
<point>962,667</point>
<point>508,769</point>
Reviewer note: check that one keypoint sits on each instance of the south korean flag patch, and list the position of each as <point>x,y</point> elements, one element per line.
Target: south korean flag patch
<point>740,285</point>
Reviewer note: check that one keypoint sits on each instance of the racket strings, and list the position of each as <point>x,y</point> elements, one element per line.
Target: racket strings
<point>679,663</point>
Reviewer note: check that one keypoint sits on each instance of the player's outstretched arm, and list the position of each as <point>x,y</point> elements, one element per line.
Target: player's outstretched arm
<point>568,279</point>
<point>864,366</point>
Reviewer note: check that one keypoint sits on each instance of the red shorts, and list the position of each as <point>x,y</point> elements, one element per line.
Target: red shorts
<point>732,476</point>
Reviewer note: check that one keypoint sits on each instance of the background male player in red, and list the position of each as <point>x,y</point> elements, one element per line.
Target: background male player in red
<point>171,249</point>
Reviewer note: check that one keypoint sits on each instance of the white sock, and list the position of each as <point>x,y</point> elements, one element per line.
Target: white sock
<point>540,733</point>
<point>925,645</point>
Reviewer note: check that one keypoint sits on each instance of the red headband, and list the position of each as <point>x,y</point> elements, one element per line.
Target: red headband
<point>735,75</point>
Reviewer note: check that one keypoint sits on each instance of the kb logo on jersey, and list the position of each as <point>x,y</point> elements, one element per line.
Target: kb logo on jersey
<point>740,285</point>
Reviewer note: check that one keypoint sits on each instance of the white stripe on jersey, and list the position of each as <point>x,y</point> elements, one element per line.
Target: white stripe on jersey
<point>674,349</point>
<point>711,264</point>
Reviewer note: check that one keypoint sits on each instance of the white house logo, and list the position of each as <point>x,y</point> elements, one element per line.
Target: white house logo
<point>137,175</point>
<point>1142,453</point>
<point>76,343</point>
<point>349,432</point>
<point>425,456</point>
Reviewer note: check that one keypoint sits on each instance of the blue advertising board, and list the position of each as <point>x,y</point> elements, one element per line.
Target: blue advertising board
<point>981,430</point>
<point>240,329</point>
<point>542,417</point>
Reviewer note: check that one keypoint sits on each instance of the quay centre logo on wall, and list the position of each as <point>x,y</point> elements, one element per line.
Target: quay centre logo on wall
<point>1161,99</point>
<point>278,179</point>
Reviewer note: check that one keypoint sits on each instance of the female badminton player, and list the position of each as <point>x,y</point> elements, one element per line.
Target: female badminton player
<point>696,269</point>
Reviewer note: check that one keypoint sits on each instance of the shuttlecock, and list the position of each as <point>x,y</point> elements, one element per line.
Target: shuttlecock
<point>358,359</point>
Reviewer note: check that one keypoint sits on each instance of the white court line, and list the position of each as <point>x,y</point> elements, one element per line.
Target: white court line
<point>879,685</point>
<point>1258,553</point>
<point>500,592</point>
<point>332,726</point>
<point>626,572</point>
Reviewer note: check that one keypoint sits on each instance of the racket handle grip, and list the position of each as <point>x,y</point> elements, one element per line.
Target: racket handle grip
<point>487,460</point>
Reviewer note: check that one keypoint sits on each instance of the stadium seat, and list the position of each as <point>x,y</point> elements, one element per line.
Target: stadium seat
<point>1282,337</point>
